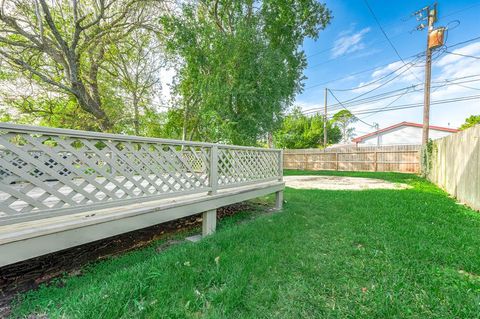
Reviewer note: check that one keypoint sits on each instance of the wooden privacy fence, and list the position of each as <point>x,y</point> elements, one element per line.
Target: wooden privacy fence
<point>454,165</point>
<point>55,181</point>
<point>398,158</point>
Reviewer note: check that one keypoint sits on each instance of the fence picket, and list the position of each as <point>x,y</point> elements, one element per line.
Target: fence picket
<point>397,158</point>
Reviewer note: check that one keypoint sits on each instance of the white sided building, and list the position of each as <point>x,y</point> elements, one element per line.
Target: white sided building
<point>401,134</point>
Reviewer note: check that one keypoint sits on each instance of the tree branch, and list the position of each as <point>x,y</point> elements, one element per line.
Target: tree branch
<point>32,70</point>
<point>53,27</point>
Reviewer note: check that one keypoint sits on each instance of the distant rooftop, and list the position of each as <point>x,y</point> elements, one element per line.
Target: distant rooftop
<point>389,128</point>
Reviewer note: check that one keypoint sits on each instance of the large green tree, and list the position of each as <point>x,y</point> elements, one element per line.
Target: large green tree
<point>301,131</point>
<point>240,64</point>
<point>65,50</point>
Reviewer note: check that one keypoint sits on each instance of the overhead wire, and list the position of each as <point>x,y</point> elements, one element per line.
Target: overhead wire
<point>463,42</point>
<point>466,86</point>
<point>394,93</point>
<point>463,55</point>
<point>386,36</point>
<point>389,104</point>
<point>435,88</point>
<point>328,90</point>
<point>420,54</point>
<point>379,66</point>
<point>397,23</point>
<point>377,87</point>
<point>405,90</point>
<point>413,105</point>
<point>412,63</point>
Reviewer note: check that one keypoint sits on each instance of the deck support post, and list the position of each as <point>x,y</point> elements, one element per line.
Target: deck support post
<point>209,218</point>
<point>209,222</point>
<point>278,200</point>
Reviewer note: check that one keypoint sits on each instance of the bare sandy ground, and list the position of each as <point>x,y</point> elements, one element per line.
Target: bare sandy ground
<point>339,183</point>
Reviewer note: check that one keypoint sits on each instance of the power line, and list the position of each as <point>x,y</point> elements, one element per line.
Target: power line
<point>463,55</point>
<point>459,10</point>
<point>360,72</point>
<point>359,101</point>
<point>467,87</point>
<point>382,65</point>
<point>386,36</point>
<point>379,86</point>
<point>463,42</point>
<point>412,63</point>
<point>396,23</point>
<point>388,94</point>
<point>456,79</point>
<point>389,104</point>
<point>367,100</point>
<point>435,89</point>
<point>406,90</point>
<point>349,110</point>
<point>413,105</point>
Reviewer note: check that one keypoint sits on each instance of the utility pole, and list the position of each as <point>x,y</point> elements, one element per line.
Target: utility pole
<point>428,13</point>
<point>325,122</point>
<point>432,17</point>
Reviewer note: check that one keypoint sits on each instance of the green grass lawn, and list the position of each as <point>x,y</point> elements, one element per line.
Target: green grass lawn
<point>411,253</point>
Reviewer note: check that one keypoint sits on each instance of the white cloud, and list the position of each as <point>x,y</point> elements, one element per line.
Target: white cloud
<point>307,106</point>
<point>349,42</point>
<point>385,70</point>
<point>471,49</point>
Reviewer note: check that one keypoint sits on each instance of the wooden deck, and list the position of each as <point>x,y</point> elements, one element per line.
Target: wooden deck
<point>84,187</point>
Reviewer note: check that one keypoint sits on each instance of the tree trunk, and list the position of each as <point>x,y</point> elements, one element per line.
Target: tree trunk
<point>88,104</point>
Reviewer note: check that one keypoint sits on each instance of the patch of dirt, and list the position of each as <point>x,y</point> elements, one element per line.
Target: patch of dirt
<point>339,183</point>
<point>29,274</point>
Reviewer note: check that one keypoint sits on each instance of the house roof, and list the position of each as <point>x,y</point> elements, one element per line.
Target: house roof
<point>389,128</point>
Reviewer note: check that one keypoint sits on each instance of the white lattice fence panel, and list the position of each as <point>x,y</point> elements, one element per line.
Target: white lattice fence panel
<point>43,171</point>
<point>196,162</point>
<point>240,166</point>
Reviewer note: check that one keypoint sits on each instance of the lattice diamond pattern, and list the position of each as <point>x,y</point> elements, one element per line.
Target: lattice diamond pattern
<point>40,172</point>
<point>237,166</point>
<point>44,171</point>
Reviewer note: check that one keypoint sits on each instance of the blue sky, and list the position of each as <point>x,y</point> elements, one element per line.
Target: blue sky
<point>353,42</point>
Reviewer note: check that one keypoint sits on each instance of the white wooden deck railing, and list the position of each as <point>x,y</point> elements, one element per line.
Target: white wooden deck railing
<point>49,172</point>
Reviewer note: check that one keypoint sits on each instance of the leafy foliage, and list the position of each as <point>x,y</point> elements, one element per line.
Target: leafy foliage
<point>470,121</point>
<point>96,65</point>
<point>343,119</point>
<point>300,131</point>
<point>240,66</point>
<point>65,50</point>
